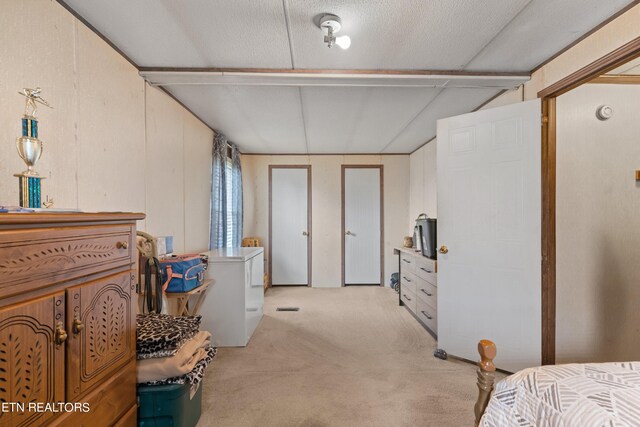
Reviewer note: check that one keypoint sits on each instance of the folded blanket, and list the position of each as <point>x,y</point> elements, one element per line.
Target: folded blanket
<point>197,373</point>
<point>161,335</point>
<point>181,363</point>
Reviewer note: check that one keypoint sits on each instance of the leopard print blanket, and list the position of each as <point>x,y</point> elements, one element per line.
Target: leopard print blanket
<point>162,335</point>
<point>195,376</point>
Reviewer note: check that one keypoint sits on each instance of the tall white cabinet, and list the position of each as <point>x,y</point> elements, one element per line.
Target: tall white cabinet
<point>234,305</point>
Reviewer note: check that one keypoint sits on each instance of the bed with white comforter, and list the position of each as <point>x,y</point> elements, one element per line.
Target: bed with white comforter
<point>581,395</point>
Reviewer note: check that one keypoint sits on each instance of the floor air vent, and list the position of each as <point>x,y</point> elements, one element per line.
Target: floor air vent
<point>288,309</point>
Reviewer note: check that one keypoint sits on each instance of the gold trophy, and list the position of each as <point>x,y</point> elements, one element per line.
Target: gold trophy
<point>30,149</point>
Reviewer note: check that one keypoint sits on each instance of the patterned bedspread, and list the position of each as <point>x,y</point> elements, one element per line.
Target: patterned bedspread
<point>581,395</point>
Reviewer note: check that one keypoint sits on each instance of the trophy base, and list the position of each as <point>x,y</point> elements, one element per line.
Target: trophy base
<point>29,187</point>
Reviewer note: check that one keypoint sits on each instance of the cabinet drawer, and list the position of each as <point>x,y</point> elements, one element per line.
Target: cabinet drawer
<point>426,269</point>
<point>407,263</point>
<point>409,299</point>
<point>428,316</point>
<point>427,293</point>
<point>408,282</point>
<point>34,258</point>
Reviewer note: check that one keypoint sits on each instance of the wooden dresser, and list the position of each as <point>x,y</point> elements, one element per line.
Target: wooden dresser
<point>67,318</point>
<point>419,287</point>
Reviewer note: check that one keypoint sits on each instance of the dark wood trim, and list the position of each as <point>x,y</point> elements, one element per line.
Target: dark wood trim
<point>342,210</point>
<point>612,60</point>
<point>618,79</point>
<point>618,57</point>
<point>309,222</point>
<point>336,71</point>
<point>592,31</point>
<point>97,33</point>
<point>548,178</point>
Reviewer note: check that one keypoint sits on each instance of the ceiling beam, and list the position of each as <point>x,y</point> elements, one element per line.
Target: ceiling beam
<point>336,71</point>
<point>363,78</point>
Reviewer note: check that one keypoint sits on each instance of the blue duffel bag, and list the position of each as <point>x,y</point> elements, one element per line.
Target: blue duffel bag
<point>182,273</point>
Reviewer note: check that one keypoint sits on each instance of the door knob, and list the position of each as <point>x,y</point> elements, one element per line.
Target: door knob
<point>444,249</point>
<point>348,233</point>
<point>304,233</point>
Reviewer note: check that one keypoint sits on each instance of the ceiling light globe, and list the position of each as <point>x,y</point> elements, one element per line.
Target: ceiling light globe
<point>343,41</point>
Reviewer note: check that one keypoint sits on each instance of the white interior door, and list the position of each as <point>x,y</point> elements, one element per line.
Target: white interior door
<point>362,226</point>
<point>489,218</point>
<point>289,226</point>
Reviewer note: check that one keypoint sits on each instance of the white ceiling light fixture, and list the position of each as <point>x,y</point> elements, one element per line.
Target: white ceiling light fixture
<point>331,24</point>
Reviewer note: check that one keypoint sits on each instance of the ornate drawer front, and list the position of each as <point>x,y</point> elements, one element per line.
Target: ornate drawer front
<point>409,299</point>
<point>426,269</point>
<point>32,355</point>
<point>101,322</point>
<point>428,316</point>
<point>428,293</point>
<point>33,258</point>
<point>408,282</point>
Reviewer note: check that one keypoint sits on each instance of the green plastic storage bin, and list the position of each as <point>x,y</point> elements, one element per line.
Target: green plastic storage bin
<point>169,405</point>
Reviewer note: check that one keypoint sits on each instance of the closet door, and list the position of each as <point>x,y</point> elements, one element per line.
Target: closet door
<point>290,225</point>
<point>362,224</point>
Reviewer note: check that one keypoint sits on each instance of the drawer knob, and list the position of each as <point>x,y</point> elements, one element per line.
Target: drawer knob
<point>425,270</point>
<point>406,260</point>
<point>61,334</point>
<point>428,294</point>
<point>405,278</point>
<point>77,326</point>
<point>405,295</point>
<point>122,245</point>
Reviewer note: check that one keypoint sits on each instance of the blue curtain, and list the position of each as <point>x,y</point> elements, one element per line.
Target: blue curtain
<point>236,197</point>
<point>226,212</point>
<point>217,238</point>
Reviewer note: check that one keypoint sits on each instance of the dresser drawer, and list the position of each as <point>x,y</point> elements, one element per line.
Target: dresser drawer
<point>34,258</point>
<point>427,293</point>
<point>407,263</point>
<point>408,281</point>
<point>409,299</point>
<point>426,269</point>
<point>428,315</point>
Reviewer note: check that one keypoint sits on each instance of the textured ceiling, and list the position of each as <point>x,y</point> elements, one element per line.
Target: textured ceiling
<point>492,35</point>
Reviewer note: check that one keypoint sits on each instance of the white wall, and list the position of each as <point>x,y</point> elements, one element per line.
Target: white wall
<point>110,142</point>
<point>423,182</point>
<point>326,207</point>
<point>598,225</point>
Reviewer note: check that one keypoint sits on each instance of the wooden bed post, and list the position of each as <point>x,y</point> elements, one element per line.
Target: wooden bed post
<point>486,376</point>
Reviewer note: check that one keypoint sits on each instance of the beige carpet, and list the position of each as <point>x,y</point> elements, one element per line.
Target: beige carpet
<point>349,357</point>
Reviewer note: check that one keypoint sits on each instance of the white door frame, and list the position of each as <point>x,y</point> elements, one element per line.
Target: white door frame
<point>381,167</point>
<point>308,168</point>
